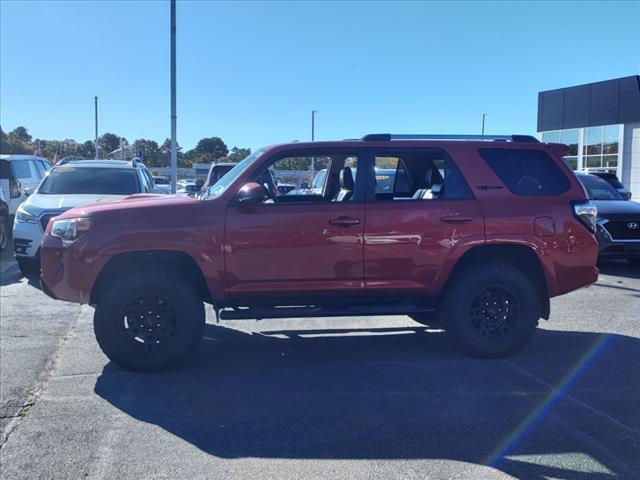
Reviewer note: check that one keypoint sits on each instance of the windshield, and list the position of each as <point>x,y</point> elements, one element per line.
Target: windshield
<point>221,185</point>
<point>90,181</point>
<point>599,189</point>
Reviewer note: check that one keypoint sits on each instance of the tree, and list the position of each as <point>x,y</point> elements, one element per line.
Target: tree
<point>87,149</point>
<point>12,142</point>
<point>150,152</point>
<point>208,150</point>
<point>109,142</point>
<point>21,134</point>
<point>238,154</point>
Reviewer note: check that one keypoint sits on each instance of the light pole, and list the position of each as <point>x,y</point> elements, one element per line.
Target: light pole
<point>313,138</point>
<point>313,125</point>
<point>483,117</point>
<point>95,105</point>
<point>174,150</point>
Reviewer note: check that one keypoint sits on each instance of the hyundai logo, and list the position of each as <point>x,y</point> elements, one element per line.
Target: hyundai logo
<point>633,225</point>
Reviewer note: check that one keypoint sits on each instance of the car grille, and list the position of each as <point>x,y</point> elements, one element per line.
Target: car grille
<point>621,229</point>
<point>44,220</point>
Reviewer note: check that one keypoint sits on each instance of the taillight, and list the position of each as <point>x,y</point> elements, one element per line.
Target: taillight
<point>14,188</point>
<point>586,212</point>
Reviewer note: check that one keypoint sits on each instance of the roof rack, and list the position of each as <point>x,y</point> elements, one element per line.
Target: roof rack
<point>385,137</point>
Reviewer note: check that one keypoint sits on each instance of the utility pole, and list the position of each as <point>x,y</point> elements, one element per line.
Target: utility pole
<point>313,138</point>
<point>174,149</point>
<point>95,104</point>
<point>483,117</point>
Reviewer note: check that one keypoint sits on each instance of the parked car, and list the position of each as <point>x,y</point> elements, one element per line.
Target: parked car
<point>67,185</point>
<point>216,172</point>
<point>20,175</point>
<point>475,237</point>
<point>162,184</point>
<point>612,179</point>
<point>618,223</point>
<point>190,189</point>
<point>284,188</point>
<point>5,227</point>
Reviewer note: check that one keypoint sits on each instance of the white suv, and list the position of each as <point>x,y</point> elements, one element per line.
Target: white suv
<point>67,185</point>
<point>19,177</point>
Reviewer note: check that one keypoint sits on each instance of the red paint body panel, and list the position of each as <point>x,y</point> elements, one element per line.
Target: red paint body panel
<point>397,247</point>
<point>294,248</point>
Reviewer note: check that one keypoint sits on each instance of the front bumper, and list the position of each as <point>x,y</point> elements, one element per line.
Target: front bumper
<point>68,272</point>
<point>26,240</point>
<point>611,248</point>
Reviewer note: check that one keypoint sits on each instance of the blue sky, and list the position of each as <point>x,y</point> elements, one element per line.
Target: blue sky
<point>251,72</point>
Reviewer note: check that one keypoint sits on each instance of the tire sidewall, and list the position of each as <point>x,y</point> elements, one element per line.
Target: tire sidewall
<point>458,312</point>
<point>110,330</point>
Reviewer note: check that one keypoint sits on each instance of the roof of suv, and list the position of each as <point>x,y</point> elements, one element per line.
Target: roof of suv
<point>99,164</point>
<point>20,156</point>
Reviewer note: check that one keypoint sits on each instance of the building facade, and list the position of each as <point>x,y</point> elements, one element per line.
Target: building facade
<point>600,122</point>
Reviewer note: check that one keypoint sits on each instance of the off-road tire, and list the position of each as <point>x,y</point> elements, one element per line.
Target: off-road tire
<point>119,331</point>
<point>29,268</point>
<point>516,314</point>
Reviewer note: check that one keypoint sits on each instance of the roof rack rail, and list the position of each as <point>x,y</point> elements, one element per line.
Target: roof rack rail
<point>135,161</point>
<point>71,158</point>
<point>385,137</point>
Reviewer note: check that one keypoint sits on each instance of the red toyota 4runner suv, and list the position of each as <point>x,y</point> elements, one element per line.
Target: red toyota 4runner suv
<point>472,234</point>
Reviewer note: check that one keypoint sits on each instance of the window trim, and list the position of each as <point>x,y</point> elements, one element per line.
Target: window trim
<point>552,159</point>
<point>391,151</point>
<point>358,194</point>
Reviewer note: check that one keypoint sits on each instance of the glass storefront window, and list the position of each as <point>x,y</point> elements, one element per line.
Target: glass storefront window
<point>611,139</point>
<point>551,137</point>
<point>593,141</point>
<point>610,160</point>
<point>592,161</point>
<point>570,138</point>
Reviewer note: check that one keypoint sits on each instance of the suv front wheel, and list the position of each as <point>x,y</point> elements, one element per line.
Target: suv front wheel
<point>490,309</point>
<point>148,322</point>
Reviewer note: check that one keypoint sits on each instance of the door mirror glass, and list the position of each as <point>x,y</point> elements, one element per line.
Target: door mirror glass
<point>252,193</point>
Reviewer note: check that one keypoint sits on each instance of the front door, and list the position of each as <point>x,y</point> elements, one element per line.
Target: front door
<point>308,242</point>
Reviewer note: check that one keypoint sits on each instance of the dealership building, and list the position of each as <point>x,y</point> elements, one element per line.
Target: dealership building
<point>600,122</point>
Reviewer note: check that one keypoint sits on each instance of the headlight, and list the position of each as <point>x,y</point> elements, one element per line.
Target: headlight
<point>24,216</point>
<point>69,230</point>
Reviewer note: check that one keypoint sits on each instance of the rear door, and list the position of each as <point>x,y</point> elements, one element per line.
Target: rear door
<point>419,224</point>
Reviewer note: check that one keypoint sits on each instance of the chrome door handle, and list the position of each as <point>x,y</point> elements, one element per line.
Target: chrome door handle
<point>455,218</point>
<point>344,221</point>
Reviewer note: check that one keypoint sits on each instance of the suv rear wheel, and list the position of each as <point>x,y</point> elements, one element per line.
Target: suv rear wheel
<point>490,309</point>
<point>149,322</point>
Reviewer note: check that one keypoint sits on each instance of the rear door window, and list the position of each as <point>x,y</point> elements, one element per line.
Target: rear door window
<point>22,169</point>
<point>526,172</point>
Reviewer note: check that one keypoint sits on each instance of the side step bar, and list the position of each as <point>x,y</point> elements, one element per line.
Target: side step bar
<point>259,313</point>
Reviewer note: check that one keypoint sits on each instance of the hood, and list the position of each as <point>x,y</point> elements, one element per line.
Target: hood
<point>617,208</point>
<point>131,203</point>
<point>38,201</point>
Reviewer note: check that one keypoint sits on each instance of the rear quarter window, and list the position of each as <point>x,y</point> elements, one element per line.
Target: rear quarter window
<point>526,172</point>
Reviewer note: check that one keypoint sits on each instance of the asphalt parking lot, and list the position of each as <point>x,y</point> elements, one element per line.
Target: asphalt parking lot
<point>325,398</point>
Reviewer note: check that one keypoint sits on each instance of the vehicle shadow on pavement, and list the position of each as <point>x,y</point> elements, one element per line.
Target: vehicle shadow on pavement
<point>567,406</point>
<point>619,268</point>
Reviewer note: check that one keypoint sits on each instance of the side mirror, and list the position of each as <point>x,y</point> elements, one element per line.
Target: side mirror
<point>627,195</point>
<point>252,193</point>
<point>199,184</point>
<point>28,191</point>
<point>304,186</point>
